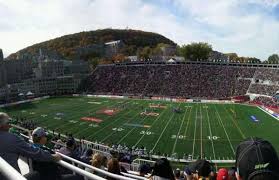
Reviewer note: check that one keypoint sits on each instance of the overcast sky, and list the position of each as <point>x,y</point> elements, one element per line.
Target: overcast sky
<point>247,27</point>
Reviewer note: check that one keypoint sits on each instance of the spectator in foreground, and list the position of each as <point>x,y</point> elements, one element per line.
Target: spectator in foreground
<point>162,170</point>
<point>231,173</point>
<point>86,158</point>
<point>96,161</point>
<point>200,169</point>
<point>187,174</point>
<point>177,174</point>
<point>144,169</point>
<point>69,150</point>
<point>113,167</point>
<point>11,147</point>
<point>47,170</point>
<point>222,174</point>
<point>256,159</point>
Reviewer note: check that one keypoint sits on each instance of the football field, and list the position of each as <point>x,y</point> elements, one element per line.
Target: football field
<point>197,129</point>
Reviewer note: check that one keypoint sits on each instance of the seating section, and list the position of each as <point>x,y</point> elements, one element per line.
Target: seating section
<point>186,80</point>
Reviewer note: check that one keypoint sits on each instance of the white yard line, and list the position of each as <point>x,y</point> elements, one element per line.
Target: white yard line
<point>129,132</point>
<point>220,120</point>
<point>185,133</point>
<point>235,124</point>
<point>113,132</point>
<point>162,133</point>
<point>113,122</point>
<point>83,130</point>
<point>150,127</point>
<point>174,146</point>
<point>201,130</point>
<point>267,112</point>
<point>209,126</point>
<point>195,134</point>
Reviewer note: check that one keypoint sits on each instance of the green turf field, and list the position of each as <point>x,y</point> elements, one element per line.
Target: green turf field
<point>211,130</point>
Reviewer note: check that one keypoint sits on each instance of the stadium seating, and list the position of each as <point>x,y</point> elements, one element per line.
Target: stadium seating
<point>183,80</point>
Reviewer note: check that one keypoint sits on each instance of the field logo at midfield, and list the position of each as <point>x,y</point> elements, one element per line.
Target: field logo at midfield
<point>254,119</point>
<point>109,112</point>
<point>91,119</point>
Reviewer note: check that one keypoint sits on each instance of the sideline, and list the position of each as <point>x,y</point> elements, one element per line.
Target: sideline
<point>268,111</point>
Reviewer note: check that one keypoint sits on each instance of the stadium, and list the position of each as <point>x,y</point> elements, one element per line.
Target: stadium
<point>182,111</point>
<point>139,90</point>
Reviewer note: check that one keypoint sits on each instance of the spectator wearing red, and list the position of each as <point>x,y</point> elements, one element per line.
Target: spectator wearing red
<point>222,174</point>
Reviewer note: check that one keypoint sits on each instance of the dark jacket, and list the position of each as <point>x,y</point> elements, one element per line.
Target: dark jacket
<point>47,170</point>
<point>11,147</point>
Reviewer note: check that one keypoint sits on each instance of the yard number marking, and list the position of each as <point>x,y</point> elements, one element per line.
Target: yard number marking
<point>146,132</point>
<point>213,137</point>
<point>178,137</point>
<point>117,129</point>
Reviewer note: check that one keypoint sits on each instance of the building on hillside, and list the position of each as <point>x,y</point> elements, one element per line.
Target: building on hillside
<point>42,76</point>
<point>3,74</point>
<point>76,67</point>
<point>1,55</point>
<point>113,47</point>
<point>168,50</point>
<point>18,70</point>
<point>216,56</point>
<point>67,85</point>
<point>94,50</point>
<point>49,68</point>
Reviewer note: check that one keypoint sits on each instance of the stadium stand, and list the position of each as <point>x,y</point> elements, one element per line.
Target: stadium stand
<point>192,80</point>
<point>174,80</point>
<point>183,80</point>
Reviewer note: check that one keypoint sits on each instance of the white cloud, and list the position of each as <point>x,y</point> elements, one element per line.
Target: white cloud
<point>224,24</point>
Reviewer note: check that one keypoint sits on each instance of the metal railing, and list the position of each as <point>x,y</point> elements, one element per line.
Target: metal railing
<point>79,171</point>
<point>88,174</point>
<point>101,171</point>
<point>9,172</point>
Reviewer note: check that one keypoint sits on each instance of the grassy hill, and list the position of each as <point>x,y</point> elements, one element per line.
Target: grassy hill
<point>87,45</point>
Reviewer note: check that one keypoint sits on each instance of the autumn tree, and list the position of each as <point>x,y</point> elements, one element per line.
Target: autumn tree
<point>144,53</point>
<point>93,63</point>
<point>118,58</point>
<point>273,59</point>
<point>196,51</point>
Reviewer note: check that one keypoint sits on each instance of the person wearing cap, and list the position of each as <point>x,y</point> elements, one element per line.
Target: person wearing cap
<point>47,170</point>
<point>12,146</point>
<point>222,174</point>
<point>256,159</point>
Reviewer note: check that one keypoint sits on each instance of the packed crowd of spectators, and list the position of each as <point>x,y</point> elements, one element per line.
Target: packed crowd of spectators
<point>271,102</point>
<point>267,74</point>
<point>264,89</point>
<point>266,82</point>
<point>187,80</point>
<point>255,159</point>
